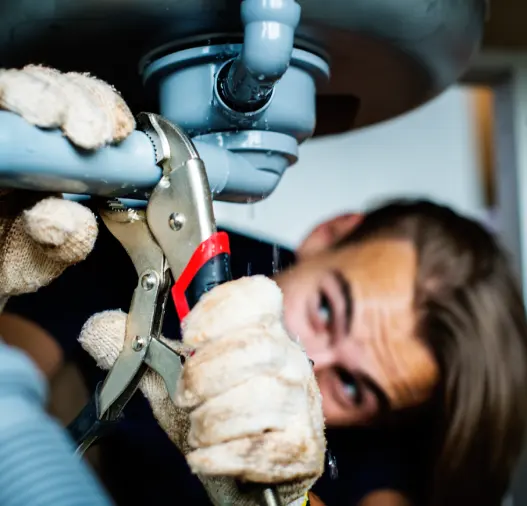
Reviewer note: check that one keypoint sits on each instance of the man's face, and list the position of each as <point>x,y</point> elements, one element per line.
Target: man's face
<point>353,310</point>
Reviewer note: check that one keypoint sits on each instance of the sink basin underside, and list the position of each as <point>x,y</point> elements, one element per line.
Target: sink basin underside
<point>390,55</point>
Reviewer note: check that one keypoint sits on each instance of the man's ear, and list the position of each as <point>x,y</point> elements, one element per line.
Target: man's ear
<point>327,234</point>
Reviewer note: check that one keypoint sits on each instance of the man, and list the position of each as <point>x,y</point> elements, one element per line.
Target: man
<point>417,306</point>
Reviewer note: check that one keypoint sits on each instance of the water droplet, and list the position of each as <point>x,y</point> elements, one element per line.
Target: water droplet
<point>332,465</point>
<point>249,269</point>
<point>276,259</point>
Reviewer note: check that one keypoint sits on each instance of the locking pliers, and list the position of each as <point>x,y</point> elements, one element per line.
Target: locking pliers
<point>175,248</point>
<point>174,239</point>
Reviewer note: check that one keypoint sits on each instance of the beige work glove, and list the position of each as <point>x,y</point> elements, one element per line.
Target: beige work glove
<point>41,235</point>
<point>248,405</point>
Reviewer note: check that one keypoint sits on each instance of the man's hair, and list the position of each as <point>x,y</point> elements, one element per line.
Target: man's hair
<point>471,315</point>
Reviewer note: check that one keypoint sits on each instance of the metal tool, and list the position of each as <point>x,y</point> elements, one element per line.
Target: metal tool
<point>175,238</point>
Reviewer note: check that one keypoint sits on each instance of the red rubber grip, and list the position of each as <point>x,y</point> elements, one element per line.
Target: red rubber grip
<point>215,245</point>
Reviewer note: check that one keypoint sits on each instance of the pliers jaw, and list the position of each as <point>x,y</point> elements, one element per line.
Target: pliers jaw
<point>145,317</point>
<point>172,146</point>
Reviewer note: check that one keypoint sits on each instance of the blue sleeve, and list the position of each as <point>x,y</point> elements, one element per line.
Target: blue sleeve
<point>37,462</point>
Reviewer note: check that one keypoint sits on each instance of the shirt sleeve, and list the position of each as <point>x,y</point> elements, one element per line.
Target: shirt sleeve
<point>37,462</point>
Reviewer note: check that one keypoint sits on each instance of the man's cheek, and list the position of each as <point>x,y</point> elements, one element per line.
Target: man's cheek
<point>321,377</point>
<point>333,413</point>
<point>296,319</point>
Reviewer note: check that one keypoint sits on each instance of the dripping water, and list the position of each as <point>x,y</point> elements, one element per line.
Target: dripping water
<point>331,463</point>
<point>276,263</point>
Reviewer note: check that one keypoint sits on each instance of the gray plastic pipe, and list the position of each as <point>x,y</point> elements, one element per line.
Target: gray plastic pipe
<point>269,31</point>
<point>36,159</point>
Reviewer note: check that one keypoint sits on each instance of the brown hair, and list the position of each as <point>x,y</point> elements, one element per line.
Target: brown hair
<point>471,314</point>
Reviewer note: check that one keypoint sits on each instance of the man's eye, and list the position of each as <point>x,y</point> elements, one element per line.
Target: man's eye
<point>351,390</point>
<point>324,311</point>
<point>350,386</point>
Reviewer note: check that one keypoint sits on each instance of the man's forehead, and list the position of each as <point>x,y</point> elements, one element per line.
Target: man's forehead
<point>382,263</point>
<point>387,254</point>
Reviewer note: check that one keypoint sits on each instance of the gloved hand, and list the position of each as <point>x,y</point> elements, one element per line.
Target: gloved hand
<point>248,405</point>
<point>40,235</point>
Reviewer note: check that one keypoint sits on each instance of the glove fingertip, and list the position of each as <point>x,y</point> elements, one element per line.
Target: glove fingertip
<point>65,230</point>
<point>47,222</point>
<point>33,93</point>
<point>124,121</point>
<point>116,121</point>
<point>102,336</point>
<point>153,388</point>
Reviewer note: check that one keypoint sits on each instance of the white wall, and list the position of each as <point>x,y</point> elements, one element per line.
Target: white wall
<point>429,152</point>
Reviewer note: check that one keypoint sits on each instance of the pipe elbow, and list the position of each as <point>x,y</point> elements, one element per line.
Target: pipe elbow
<point>269,36</point>
<point>241,177</point>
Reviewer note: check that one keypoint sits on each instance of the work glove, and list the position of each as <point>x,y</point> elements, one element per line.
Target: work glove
<point>247,406</point>
<point>42,234</point>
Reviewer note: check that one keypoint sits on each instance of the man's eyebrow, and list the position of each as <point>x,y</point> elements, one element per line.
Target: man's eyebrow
<point>345,288</point>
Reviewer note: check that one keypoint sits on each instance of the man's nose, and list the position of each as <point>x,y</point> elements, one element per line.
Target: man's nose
<point>322,359</point>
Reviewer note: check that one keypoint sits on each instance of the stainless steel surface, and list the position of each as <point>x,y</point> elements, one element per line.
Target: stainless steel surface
<point>270,498</point>
<point>172,146</point>
<point>181,217</point>
<point>184,185</point>
<point>166,363</point>
<point>143,323</point>
<point>183,192</point>
<point>139,343</point>
<point>84,446</point>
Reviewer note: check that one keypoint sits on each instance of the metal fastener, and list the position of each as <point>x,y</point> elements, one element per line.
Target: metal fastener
<point>139,343</point>
<point>176,221</point>
<point>164,182</point>
<point>148,281</point>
